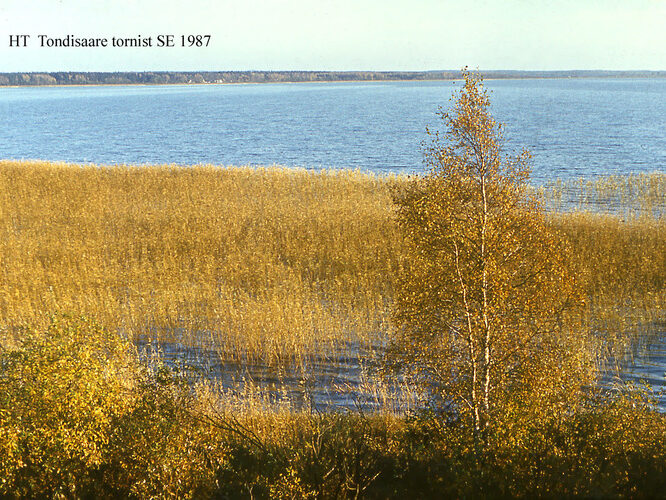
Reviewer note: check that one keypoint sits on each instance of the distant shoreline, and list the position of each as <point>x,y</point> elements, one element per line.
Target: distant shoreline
<point>75,78</point>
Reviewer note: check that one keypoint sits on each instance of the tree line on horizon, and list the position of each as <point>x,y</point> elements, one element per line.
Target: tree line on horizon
<point>194,77</point>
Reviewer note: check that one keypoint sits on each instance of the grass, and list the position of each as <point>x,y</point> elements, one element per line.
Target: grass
<point>617,225</point>
<point>267,265</point>
<point>275,266</point>
<point>622,264</point>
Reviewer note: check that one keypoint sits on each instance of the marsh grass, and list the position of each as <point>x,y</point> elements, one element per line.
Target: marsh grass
<point>277,266</point>
<point>617,226</point>
<point>622,266</point>
<point>268,264</point>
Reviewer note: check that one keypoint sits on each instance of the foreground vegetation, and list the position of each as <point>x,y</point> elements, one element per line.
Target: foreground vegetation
<point>81,416</point>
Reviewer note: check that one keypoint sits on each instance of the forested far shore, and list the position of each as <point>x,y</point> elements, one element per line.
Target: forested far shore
<point>194,77</point>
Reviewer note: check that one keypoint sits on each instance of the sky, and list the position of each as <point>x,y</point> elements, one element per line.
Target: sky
<point>339,35</point>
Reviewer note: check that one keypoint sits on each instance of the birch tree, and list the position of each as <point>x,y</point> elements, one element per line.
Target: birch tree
<point>486,307</point>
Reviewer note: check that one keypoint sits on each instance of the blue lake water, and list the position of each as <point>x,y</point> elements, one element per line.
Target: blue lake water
<point>573,127</point>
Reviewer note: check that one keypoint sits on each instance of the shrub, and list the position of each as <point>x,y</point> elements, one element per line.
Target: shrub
<point>61,391</point>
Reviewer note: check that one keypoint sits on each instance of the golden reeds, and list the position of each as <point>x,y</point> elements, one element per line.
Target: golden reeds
<point>266,264</point>
<point>276,266</point>
<point>271,265</point>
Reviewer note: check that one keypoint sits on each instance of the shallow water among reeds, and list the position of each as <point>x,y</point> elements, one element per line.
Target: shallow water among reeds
<point>346,381</point>
<point>644,365</point>
<point>625,196</point>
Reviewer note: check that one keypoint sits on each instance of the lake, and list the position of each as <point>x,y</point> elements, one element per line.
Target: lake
<point>573,127</point>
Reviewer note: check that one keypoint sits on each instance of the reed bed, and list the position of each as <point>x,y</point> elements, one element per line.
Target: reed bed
<point>272,265</point>
<point>617,224</point>
<point>263,264</point>
<point>622,266</point>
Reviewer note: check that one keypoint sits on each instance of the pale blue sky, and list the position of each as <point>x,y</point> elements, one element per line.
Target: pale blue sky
<point>343,34</point>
